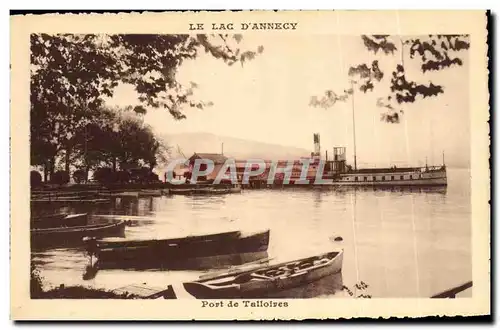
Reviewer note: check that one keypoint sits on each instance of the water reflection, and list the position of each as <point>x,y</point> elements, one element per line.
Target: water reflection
<point>401,242</point>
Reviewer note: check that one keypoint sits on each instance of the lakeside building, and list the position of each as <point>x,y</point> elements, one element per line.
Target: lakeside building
<point>241,164</point>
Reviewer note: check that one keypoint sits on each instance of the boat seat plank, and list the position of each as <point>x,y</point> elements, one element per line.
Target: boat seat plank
<point>141,290</point>
<point>260,277</point>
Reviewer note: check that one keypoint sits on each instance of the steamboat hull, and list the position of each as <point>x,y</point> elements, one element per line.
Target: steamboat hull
<point>401,183</point>
<point>391,177</point>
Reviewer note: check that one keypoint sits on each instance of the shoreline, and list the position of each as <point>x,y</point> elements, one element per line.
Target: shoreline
<point>79,292</point>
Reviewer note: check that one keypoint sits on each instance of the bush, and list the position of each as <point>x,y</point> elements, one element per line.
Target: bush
<point>143,175</point>
<point>139,174</point>
<point>79,176</point>
<point>36,281</point>
<point>80,292</point>
<point>123,176</point>
<point>153,177</point>
<point>60,177</point>
<point>35,178</point>
<point>73,292</point>
<point>105,175</point>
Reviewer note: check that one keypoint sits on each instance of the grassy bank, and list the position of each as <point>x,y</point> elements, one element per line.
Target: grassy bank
<point>78,292</point>
<point>69,292</point>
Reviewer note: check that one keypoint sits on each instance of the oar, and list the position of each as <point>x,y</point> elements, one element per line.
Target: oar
<point>91,270</point>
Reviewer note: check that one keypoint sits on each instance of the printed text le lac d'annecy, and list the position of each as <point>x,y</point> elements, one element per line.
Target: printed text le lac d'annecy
<point>244,303</point>
<point>243,26</point>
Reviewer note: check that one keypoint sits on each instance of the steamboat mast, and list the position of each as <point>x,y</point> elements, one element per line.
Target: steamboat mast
<point>354,127</point>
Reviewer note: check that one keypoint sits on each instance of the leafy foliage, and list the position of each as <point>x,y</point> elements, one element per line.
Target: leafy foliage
<point>71,74</point>
<point>35,178</point>
<point>359,290</point>
<point>378,42</point>
<point>104,175</point>
<point>123,176</point>
<point>434,53</point>
<point>329,99</point>
<point>60,177</point>
<point>118,139</point>
<point>407,91</point>
<point>36,281</point>
<point>80,176</point>
<point>367,75</point>
<point>81,292</point>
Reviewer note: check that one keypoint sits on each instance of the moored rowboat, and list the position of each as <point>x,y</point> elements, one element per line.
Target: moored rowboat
<point>181,191</point>
<point>59,220</point>
<point>71,236</point>
<point>192,252</point>
<point>235,189</point>
<point>113,243</point>
<point>200,191</point>
<point>150,193</point>
<point>259,283</point>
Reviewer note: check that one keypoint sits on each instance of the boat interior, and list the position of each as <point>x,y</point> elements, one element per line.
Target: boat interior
<point>74,228</point>
<point>120,242</point>
<point>280,271</point>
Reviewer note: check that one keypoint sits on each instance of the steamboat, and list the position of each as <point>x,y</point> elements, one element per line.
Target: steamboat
<point>343,174</point>
<point>337,172</point>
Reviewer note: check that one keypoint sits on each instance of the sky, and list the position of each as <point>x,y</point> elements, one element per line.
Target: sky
<point>267,100</point>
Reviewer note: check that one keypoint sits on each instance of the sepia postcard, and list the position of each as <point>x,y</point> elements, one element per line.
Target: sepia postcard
<point>251,165</point>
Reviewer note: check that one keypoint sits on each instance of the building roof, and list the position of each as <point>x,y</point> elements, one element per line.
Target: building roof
<point>216,158</point>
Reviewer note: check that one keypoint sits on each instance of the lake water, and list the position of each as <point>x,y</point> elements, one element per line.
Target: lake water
<point>400,243</point>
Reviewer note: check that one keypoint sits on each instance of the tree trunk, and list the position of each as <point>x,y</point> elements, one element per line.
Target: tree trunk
<point>66,159</point>
<point>114,164</point>
<point>45,171</point>
<point>52,165</point>
<point>87,169</point>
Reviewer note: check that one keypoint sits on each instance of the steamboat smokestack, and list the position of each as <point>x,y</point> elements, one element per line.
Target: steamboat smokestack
<point>317,148</point>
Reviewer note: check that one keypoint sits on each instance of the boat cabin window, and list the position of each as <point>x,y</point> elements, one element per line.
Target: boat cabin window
<point>365,178</point>
<point>355,178</point>
<point>392,177</point>
<point>401,177</point>
<point>374,178</point>
<point>383,178</point>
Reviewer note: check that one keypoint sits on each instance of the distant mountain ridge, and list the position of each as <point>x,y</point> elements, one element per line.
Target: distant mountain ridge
<point>242,149</point>
<point>237,148</point>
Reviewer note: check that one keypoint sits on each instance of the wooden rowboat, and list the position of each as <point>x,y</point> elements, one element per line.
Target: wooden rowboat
<point>73,236</point>
<point>453,292</point>
<point>235,189</point>
<point>259,283</point>
<point>59,220</point>
<point>200,191</point>
<point>181,191</point>
<point>192,252</point>
<point>150,193</point>
<point>220,191</point>
<point>114,243</point>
